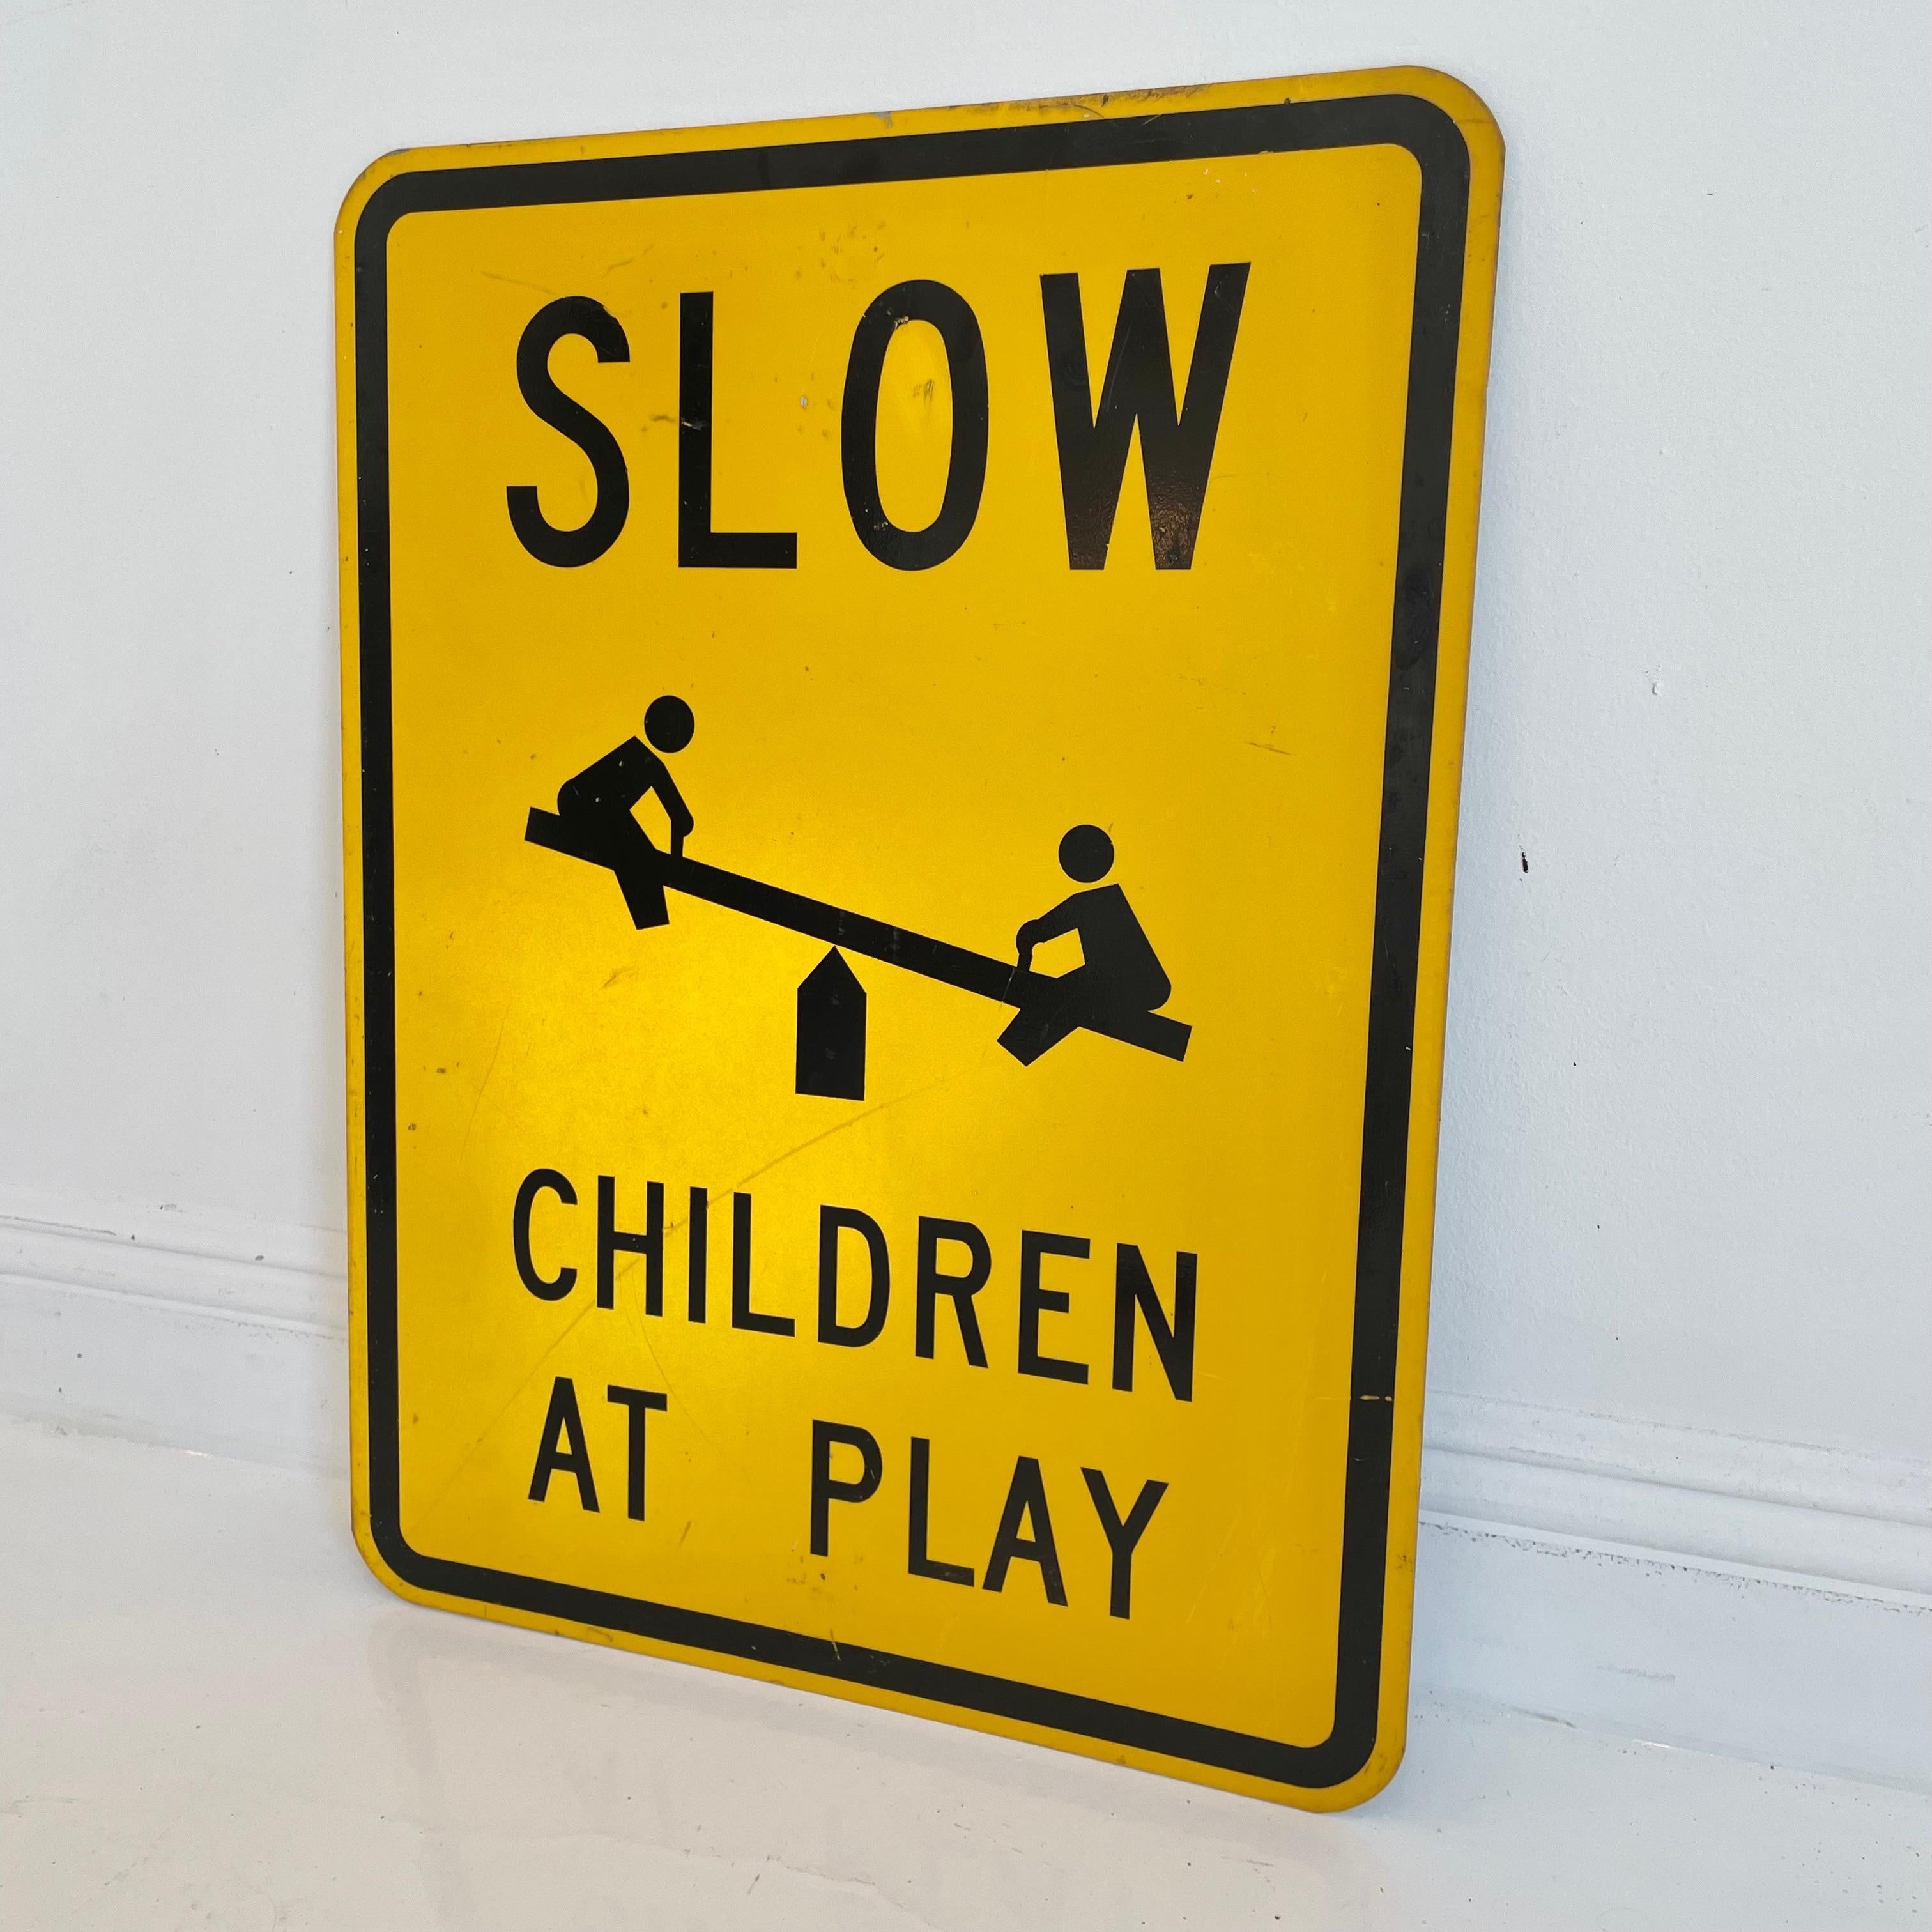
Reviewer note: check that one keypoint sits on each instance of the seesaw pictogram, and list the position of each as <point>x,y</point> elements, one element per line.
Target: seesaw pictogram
<point>1113,991</point>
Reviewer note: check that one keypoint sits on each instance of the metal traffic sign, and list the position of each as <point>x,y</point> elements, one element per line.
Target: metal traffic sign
<point>903,682</point>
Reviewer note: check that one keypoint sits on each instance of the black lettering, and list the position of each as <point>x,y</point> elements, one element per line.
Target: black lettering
<point>699,546</point>
<point>700,1259</point>
<point>1122,1537</point>
<point>947,310</point>
<point>961,1288</point>
<point>566,549</point>
<point>562,1422</point>
<point>1026,1502</point>
<point>743,1315</point>
<point>534,1183</point>
<point>1177,452</point>
<point>639,1402</point>
<point>831,1220</point>
<point>1036,1301</point>
<point>825,1491</point>
<point>1173,1342</point>
<point>612,1241</point>
<point>917,1561</point>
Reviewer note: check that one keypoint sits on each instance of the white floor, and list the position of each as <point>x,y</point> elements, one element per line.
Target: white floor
<point>211,1717</point>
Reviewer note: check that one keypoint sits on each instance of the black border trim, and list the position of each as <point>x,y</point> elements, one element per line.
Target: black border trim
<point>1405,120</point>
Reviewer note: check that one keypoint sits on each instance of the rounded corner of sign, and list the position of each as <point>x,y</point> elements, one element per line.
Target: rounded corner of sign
<point>386,1565</point>
<point>1374,1777</point>
<point>366,1544</point>
<point>364,189</point>
<point>1369,1779</point>
<point>1472,115</point>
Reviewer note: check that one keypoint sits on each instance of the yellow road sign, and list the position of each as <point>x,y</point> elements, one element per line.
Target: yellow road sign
<point>903,688</point>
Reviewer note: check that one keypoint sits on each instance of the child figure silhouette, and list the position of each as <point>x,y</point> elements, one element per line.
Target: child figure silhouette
<point>597,808</point>
<point>1119,974</point>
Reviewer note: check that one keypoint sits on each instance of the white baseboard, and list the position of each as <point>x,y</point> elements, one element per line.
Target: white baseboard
<point>206,1335</point>
<point>1772,1600</point>
<point>1788,1508</point>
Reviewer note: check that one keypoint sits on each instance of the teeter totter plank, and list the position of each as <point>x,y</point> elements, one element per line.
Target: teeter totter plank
<point>853,932</point>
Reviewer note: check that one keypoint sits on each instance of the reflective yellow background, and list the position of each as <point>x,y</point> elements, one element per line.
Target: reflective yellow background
<point>911,745</point>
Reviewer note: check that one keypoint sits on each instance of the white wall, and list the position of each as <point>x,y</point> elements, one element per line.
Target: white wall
<point>1687,1177</point>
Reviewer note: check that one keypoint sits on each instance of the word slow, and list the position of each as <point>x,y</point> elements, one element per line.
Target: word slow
<point>1137,392</point>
